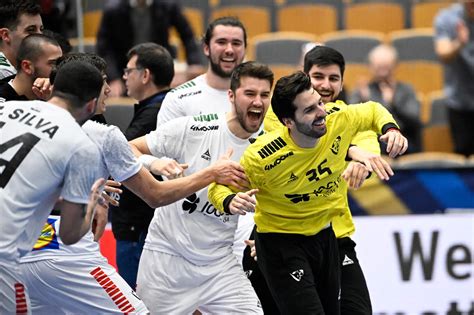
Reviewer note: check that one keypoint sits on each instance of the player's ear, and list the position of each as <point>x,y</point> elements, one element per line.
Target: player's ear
<point>91,106</point>
<point>288,122</point>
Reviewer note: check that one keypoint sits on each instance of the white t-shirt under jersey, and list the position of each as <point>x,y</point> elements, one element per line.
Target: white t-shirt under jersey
<point>118,161</point>
<point>6,68</point>
<point>193,98</point>
<point>192,228</point>
<point>44,154</point>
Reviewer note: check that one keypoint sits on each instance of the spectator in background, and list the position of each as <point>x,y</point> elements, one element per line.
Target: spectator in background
<point>454,44</point>
<point>398,97</point>
<point>148,76</point>
<point>126,23</point>
<point>55,14</point>
<point>18,19</point>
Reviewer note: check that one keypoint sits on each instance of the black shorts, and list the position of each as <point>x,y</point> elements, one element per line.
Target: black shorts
<point>302,272</point>
<point>355,298</point>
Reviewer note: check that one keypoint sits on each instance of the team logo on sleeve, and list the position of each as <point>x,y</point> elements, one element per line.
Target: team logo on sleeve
<point>271,147</point>
<point>48,238</point>
<point>335,145</point>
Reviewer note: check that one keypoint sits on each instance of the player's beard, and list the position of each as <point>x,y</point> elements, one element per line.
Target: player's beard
<point>310,131</point>
<point>241,117</point>
<point>216,68</point>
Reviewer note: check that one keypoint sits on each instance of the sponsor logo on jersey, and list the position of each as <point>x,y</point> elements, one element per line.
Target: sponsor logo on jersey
<point>207,117</point>
<point>191,204</point>
<point>278,161</point>
<point>48,238</point>
<point>203,128</point>
<point>206,155</point>
<point>329,189</point>
<point>335,145</point>
<point>347,261</point>
<point>324,191</point>
<point>189,94</point>
<point>271,147</point>
<point>296,198</point>
<point>297,274</point>
<point>293,177</point>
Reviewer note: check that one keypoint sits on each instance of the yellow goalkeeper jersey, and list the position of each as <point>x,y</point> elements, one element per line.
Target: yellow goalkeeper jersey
<point>301,189</point>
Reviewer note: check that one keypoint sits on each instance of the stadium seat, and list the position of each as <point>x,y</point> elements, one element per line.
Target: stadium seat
<point>279,48</point>
<point>119,111</point>
<point>91,23</point>
<point>355,46</point>
<point>423,13</point>
<point>418,62</point>
<point>436,134</point>
<point>257,20</point>
<point>374,16</point>
<point>310,18</point>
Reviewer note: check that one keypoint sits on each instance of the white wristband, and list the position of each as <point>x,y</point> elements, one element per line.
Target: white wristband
<point>146,160</point>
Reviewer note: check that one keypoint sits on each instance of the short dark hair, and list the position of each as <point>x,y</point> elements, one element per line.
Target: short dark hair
<point>285,92</point>
<point>250,69</point>
<point>227,21</point>
<point>323,56</point>
<point>31,48</point>
<point>78,82</point>
<point>63,42</point>
<point>155,58</point>
<point>10,11</point>
<point>90,58</point>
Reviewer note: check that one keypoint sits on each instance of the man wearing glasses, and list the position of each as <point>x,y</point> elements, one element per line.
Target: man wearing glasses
<point>148,76</point>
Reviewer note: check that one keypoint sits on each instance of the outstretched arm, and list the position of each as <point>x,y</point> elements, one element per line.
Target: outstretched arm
<point>76,219</point>
<point>157,194</point>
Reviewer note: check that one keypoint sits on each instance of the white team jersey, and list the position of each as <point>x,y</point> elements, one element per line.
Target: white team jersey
<point>44,154</point>
<point>6,68</point>
<point>192,227</point>
<point>117,161</point>
<point>193,98</point>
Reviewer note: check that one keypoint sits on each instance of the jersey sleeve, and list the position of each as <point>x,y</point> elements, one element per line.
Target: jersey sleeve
<point>367,140</point>
<point>118,156</point>
<point>252,167</point>
<point>171,108</point>
<point>81,172</point>
<point>217,193</point>
<point>370,116</point>
<point>169,139</point>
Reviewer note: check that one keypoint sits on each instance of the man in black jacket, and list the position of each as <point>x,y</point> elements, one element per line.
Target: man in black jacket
<point>126,23</point>
<point>147,76</point>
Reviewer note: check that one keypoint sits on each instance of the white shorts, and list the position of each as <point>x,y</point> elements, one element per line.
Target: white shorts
<point>172,285</point>
<point>78,285</point>
<point>13,295</point>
